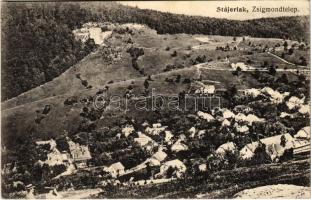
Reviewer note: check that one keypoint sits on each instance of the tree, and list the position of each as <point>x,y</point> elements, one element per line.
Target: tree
<point>291,51</point>
<point>146,84</point>
<point>174,54</point>
<point>272,70</point>
<point>178,77</point>
<point>303,61</point>
<point>285,44</point>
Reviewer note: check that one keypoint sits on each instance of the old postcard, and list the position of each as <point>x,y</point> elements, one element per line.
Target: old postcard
<point>155,99</point>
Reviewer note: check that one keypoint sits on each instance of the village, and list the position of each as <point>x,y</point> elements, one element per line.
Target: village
<point>166,152</point>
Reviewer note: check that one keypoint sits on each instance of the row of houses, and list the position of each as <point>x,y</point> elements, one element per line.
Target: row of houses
<point>275,145</point>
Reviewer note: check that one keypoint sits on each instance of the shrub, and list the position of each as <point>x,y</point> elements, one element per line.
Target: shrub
<point>174,54</point>
<point>135,52</point>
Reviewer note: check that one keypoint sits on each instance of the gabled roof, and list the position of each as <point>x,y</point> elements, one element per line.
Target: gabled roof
<point>304,133</point>
<point>159,155</point>
<point>143,139</point>
<point>206,116</point>
<point>179,146</point>
<point>271,142</point>
<point>227,147</point>
<point>115,167</point>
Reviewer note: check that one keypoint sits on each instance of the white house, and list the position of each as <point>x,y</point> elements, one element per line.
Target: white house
<point>225,148</point>
<point>168,136</point>
<point>303,133</point>
<point>225,123</point>
<point>275,96</point>
<point>179,146</point>
<point>273,146</point>
<point>159,155</point>
<point>294,102</point>
<point>127,130</point>
<point>178,166</point>
<point>241,65</point>
<point>302,140</point>
<point>253,92</point>
<point>156,129</point>
<point>226,113</point>
<point>241,129</point>
<point>115,169</point>
<point>205,116</point>
<point>143,139</point>
<point>304,109</point>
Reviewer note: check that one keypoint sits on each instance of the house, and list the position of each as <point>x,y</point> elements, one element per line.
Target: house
<point>80,154</point>
<point>54,157</point>
<point>178,167</point>
<point>228,147</point>
<point>250,119</point>
<point>204,88</point>
<point>275,96</point>
<point>304,109</point>
<point>241,129</point>
<point>192,132</point>
<point>168,136</point>
<point>242,109</point>
<point>179,146</point>
<point>294,102</point>
<point>253,92</point>
<point>226,113</point>
<point>273,146</point>
<point>156,129</point>
<point>225,123</point>
<point>208,89</point>
<point>303,133</point>
<point>145,124</point>
<point>202,167</point>
<point>302,140</point>
<point>201,133</point>
<point>240,65</point>
<point>115,169</point>
<point>127,130</point>
<point>154,160</point>
<point>159,155</point>
<point>205,116</point>
<point>143,139</point>
<point>285,114</point>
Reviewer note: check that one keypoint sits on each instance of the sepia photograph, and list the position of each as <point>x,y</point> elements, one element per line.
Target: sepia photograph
<point>155,99</point>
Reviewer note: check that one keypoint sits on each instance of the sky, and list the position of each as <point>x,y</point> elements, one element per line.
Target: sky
<point>208,8</point>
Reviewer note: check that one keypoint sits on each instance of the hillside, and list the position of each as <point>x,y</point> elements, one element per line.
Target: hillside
<point>32,59</point>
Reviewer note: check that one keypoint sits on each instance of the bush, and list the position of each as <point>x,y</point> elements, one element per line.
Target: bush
<point>174,54</point>
<point>187,80</point>
<point>135,52</point>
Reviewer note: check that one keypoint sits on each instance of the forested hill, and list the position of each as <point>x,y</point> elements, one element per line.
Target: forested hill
<point>163,22</point>
<point>38,44</point>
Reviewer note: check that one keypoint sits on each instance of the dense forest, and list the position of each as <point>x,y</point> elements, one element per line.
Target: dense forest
<point>281,27</point>
<point>38,44</point>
